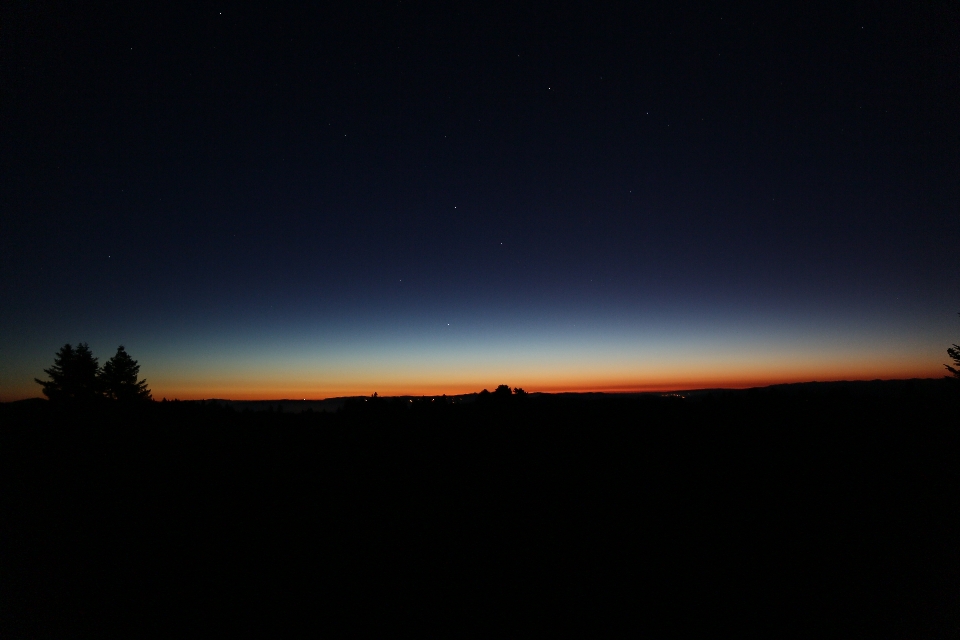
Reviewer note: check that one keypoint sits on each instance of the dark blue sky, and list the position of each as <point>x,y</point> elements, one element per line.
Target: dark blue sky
<point>269,201</point>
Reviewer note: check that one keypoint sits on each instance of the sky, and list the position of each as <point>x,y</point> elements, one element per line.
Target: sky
<point>271,200</point>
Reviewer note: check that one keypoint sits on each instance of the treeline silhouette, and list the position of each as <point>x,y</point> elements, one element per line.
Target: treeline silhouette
<point>783,511</point>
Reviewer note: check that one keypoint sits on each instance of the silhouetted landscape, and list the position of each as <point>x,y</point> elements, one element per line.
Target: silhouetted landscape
<point>617,319</point>
<point>785,509</point>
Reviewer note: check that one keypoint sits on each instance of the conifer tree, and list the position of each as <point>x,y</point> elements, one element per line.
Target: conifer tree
<point>74,376</point>
<point>954,353</point>
<point>119,379</point>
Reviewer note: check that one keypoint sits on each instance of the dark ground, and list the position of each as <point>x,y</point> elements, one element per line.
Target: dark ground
<point>797,511</point>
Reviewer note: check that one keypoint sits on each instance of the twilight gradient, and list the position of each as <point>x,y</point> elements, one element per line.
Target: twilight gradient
<point>455,349</point>
<point>337,199</point>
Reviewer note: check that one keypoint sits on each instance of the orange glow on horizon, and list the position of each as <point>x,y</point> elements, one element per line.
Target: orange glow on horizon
<point>559,384</point>
<point>667,377</point>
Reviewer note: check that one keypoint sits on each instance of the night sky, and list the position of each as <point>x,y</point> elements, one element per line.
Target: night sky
<point>271,201</point>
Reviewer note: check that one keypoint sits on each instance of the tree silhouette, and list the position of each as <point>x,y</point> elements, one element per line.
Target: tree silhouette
<point>74,376</point>
<point>954,353</point>
<point>502,391</point>
<point>119,378</point>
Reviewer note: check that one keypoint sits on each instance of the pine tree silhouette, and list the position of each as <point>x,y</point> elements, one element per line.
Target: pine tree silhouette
<point>74,376</point>
<point>119,378</point>
<point>954,353</point>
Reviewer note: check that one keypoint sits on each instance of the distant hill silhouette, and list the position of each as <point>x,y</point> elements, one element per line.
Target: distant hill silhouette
<point>783,510</point>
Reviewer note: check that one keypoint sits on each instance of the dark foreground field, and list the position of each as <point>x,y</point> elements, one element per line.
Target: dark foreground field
<point>800,511</point>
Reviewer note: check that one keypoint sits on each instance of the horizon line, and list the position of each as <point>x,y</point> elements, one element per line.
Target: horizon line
<point>603,389</point>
